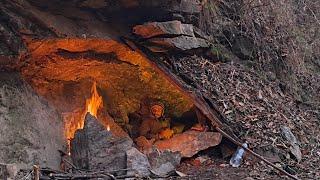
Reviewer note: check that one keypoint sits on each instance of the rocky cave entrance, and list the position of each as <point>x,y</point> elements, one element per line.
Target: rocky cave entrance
<point>120,88</point>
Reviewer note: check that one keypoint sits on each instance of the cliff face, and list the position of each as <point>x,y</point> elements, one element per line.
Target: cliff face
<point>25,120</point>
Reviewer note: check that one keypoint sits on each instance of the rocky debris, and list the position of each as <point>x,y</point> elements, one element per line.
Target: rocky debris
<point>190,142</point>
<point>138,162</point>
<point>95,148</point>
<point>171,35</point>
<point>292,140</point>
<point>163,163</point>
<point>163,170</point>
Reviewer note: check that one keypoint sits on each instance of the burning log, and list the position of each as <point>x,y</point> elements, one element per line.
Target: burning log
<point>96,148</point>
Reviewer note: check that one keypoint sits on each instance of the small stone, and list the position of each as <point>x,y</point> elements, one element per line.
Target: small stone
<point>163,170</point>
<point>181,174</point>
<point>294,148</point>
<point>138,162</point>
<point>163,163</point>
<point>202,159</point>
<point>224,165</point>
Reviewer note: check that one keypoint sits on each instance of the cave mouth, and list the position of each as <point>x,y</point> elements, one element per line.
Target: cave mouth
<point>121,83</point>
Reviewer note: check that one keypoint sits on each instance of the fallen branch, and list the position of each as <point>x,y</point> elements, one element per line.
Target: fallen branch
<point>72,165</point>
<point>80,176</point>
<point>36,172</point>
<point>255,154</point>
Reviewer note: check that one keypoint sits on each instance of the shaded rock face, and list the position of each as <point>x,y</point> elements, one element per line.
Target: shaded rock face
<point>14,23</point>
<point>95,148</point>
<point>31,130</point>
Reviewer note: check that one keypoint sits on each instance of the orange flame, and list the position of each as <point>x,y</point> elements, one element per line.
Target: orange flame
<point>92,106</point>
<point>95,102</point>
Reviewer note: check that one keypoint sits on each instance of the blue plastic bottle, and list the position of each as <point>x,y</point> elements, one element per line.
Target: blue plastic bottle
<point>236,159</point>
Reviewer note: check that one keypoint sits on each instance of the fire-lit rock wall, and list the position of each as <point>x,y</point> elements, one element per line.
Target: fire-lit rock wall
<point>63,71</point>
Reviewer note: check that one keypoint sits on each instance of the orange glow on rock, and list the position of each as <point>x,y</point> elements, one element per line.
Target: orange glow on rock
<point>95,102</point>
<point>75,121</point>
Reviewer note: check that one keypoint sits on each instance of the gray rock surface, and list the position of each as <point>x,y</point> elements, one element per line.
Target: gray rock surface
<point>292,140</point>
<point>31,131</point>
<point>138,162</point>
<point>95,148</point>
<point>163,163</point>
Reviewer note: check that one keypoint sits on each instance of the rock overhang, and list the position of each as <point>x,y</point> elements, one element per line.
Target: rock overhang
<point>64,69</point>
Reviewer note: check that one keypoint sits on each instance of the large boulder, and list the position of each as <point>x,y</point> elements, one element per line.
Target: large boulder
<point>96,148</point>
<point>190,142</point>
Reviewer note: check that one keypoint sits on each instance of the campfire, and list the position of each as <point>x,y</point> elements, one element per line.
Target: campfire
<point>93,104</point>
<point>147,129</point>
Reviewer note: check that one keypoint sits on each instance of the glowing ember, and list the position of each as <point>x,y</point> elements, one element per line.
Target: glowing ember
<point>108,128</point>
<point>95,102</point>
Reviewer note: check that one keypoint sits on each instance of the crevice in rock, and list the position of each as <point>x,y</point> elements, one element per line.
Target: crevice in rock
<point>110,57</point>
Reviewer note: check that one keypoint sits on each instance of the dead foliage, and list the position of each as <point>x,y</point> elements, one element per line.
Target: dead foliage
<point>277,36</point>
<point>256,108</point>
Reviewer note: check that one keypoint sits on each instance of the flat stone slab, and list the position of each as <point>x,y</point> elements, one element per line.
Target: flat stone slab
<point>153,29</point>
<point>182,43</point>
<point>190,142</point>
